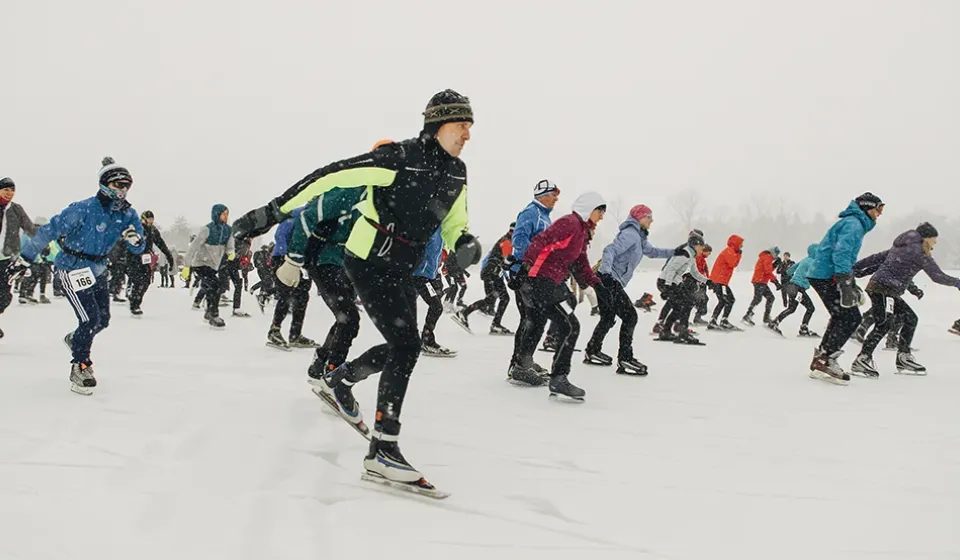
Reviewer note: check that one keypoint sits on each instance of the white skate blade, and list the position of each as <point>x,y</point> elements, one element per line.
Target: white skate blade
<point>411,487</point>
<point>953,331</point>
<point>132,316</point>
<point>819,375</point>
<point>361,428</point>
<point>911,372</point>
<point>565,399</point>
<point>450,354</point>
<point>80,390</point>
<point>460,324</point>
<point>278,347</point>
<point>864,374</point>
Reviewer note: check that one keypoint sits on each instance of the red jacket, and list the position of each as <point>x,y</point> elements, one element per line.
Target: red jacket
<point>702,267</point>
<point>727,260</point>
<point>561,249</point>
<point>763,272</point>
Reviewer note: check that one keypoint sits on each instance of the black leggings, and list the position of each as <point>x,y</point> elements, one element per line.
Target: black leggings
<point>761,291</point>
<point>457,287</point>
<point>209,288</point>
<point>887,313</point>
<point>615,303</point>
<point>544,301</point>
<point>139,281</point>
<point>291,299</point>
<point>338,293</point>
<point>427,289</point>
<point>843,320</point>
<point>682,295</point>
<point>494,289</point>
<point>231,273</point>
<point>795,296</point>
<point>6,290</point>
<point>725,301</point>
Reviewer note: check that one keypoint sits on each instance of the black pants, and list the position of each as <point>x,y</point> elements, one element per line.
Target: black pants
<point>761,291</point>
<point>117,275</point>
<point>209,288</point>
<point>701,301</point>
<point>139,275</point>
<point>615,303</point>
<point>231,273</point>
<point>682,295</point>
<point>429,292</point>
<point>457,283</point>
<point>390,300</point>
<point>843,320</point>
<point>39,274</point>
<point>338,293</point>
<point>666,293</point>
<point>291,300</point>
<point>544,301</point>
<point>868,321</point>
<point>796,296</point>
<point>494,289</point>
<point>887,313</point>
<point>6,290</point>
<point>164,276</point>
<point>725,301</point>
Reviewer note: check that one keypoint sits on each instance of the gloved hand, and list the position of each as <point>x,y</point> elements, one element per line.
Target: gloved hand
<point>915,291</point>
<point>606,280</point>
<point>185,273</point>
<point>131,236</point>
<point>850,293</point>
<point>231,256</point>
<point>776,284</point>
<point>257,222</point>
<point>467,250</point>
<point>16,268</point>
<point>289,272</point>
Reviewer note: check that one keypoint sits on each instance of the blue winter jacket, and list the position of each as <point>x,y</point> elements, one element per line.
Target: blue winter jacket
<point>89,227</point>
<point>430,264</point>
<point>798,271</point>
<point>840,246</point>
<point>621,257</point>
<point>284,233</point>
<point>530,221</point>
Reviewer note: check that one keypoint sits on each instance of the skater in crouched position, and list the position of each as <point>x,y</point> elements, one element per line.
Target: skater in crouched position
<point>682,281</point>
<point>620,259</point>
<point>763,273</point>
<point>138,264</point>
<point>293,291</point>
<point>549,259</point>
<point>831,276</point>
<point>796,292</point>
<point>893,271</point>
<point>430,289</point>
<point>87,230</point>
<point>727,261</point>
<point>203,258</point>
<point>413,187</point>
<point>13,220</point>
<point>494,288</point>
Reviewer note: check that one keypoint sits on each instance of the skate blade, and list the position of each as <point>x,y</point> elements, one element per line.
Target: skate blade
<point>450,354</point>
<point>80,390</point>
<point>911,373</point>
<point>421,487</point>
<point>599,364</point>
<point>827,378</point>
<point>516,383</point>
<point>622,371</point>
<point>461,325</point>
<point>132,316</point>
<point>953,331</point>
<point>361,428</point>
<point>278,347</point>
<point>864,374</point>
<point>558,397</point>
<point>501,334</point>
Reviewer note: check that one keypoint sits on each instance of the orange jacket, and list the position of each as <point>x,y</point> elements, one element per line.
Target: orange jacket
<point>727,260</point>
<point>702,265</point>
<point>763,272</point>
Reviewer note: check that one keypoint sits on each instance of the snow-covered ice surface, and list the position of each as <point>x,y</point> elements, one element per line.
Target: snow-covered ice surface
<point>206,444</point>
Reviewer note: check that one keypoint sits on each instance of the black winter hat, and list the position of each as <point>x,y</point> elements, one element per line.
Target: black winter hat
<point>7,183</point>
<point>112,172</point>
<point>697,232</point>
<point>695,240</point>
<point>926,230</point>
<point>445,107</point>
<point>146,215</point>
<point>868,201</point>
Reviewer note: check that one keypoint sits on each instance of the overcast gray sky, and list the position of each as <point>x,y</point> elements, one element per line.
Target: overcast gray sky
<point>221,101</point>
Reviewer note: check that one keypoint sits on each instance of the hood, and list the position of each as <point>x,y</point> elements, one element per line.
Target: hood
<point>735,242</point>
<point>908,238</point>
<point>853,209</point>
<point>216,211</point>
<point>812,250</point>
<point>586,203</point>
<point>629,223</point>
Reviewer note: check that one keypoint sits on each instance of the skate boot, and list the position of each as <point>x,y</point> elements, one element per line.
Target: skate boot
<point>596,358</point>
<point>892,342</point>
<point>550,345</point>
<point>714,326</point>
<point>806,332</point>
<point>520,375</point>
<point>68,341</point>
<point>698,320</point>
<point>276,340</point>
<point>646,302</point>
<point>386,465</point>
<point>864,366</point>
<point>543,372</point>
<point>136,312</point>
<point>43,299</point>
<point>666,336</point>
<point>726,325</point>
<point>261,302</point>
<point>240,313</point>
<point>460,318</point>
<point>595,310</point>
<point>1,333</point>
<point>434,350</point>
<point>27,300</point>
<point>748,319</point>
<point>689,338</point>
<point>631,366</point>
<point>657,328</point>
<point>907,365</point>
<point>82,380</point>
<point>214,320</point>
<point>301,341</point>
<point>335,387</point>
<point>560,385</point>
<point>118,299</point>
<point>825,368</point>
<point>500,330</point>
<point>195,306</point>
<point>955,329</point>
<point>860,334</point>
<point>775,327</point>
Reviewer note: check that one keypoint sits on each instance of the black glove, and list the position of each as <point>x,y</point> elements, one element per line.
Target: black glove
<point>915,291</point>
<point>606,280</point>
<point>257,222</point>
<point>850,293</point>
<point>777,285</point>
<point>467,250</point>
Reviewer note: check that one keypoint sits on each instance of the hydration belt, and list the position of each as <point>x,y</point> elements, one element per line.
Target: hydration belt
<point>82,255</point>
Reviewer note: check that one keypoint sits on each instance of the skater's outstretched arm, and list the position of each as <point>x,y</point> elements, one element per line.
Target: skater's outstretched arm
<point>933,270</point>
<point>868,265</point>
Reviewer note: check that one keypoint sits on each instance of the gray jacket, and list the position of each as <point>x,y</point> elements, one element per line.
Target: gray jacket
<point>621,257</point>
<point>201,254</point>
<point>14,220</point>
<point>682,263</point>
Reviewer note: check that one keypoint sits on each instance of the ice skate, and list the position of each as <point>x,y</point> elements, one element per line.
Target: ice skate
<point>543,372</point>
<point>500,330</point>
<point>136,312</point>
<point>195,306</point>
<point>561,386</point>
<point>385,465</point>
<point>524,376</point>
<point>214,320</point>
<point>462,320</point>
<point>748,320</point>
<point>699,321</point>
<point>657,328</point>
<point>806,332</point>
<point>336,391</point>
<point>240,313</point>
<point>434,350</point>
<point>276,340</point>
<point>726,325</point>
<point>301,342</point>
<point>864,366</point>
<point>549,345</point>
<point>118,299</point>
<point>907,365</point>
<point>27,300</point>
<point>68,341</point>
<point>646,302</point>
<point>714,326</point>
<point>688,338</point>
<point>774,327</point>
<point>82,380</point>
<point>955,328</point>
<point>597,358</point>
<point>665,336</point>
<point>826,368</point>
<point>44,299</point>
<point>631,366</point>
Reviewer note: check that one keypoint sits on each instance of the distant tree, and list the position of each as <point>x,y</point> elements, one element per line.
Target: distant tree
<point>685,204</point>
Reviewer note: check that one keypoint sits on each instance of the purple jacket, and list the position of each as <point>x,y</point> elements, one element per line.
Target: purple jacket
<point>893,270</point>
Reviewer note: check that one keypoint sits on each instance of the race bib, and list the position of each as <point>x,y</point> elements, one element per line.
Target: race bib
<point>430,290</point>
<point>889,306</point>
<point>82,279</point>
<point>566,307</point>
<point>146,258</point>
<point>799,296</point>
